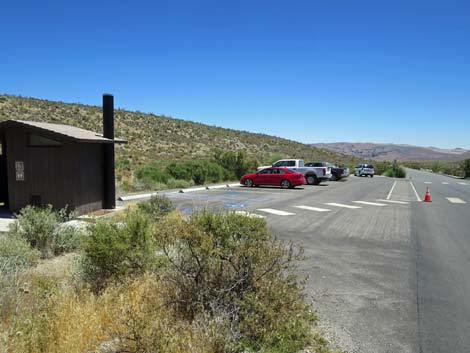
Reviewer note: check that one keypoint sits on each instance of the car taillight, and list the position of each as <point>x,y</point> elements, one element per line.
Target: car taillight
<point>324,171</point>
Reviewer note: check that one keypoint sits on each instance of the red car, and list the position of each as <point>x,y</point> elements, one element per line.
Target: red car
<point>277,176</point>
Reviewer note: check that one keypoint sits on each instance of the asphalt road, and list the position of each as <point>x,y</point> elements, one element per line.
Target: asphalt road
<point>441,232</point>
<point>385,276</point>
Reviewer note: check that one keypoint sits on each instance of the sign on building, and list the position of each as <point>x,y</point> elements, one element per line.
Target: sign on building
<point>19,170</point>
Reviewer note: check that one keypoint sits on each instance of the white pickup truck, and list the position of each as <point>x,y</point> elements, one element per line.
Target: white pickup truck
<point>313,175</point>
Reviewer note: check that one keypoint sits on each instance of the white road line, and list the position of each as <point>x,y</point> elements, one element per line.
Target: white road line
<point>463,184</point>
<point>394,201</point>
<point>455,200</point>
<point>234,185</point>
<point>428,182</point>
<point>248,214</point>
<point>276,212</point>
<point>414,189</point>
<point>370,203</point>
<point>391,190</point>
<point>445,183</point>
<point>316,209</point>
<point>342,205</point>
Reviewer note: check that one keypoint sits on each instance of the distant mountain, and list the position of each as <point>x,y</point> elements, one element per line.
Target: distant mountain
<point>383,151</point>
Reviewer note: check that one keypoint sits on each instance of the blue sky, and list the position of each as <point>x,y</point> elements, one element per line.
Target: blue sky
<point>312,71</point>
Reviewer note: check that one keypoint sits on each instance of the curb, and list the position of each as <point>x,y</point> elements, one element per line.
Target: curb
<point>182,191</point>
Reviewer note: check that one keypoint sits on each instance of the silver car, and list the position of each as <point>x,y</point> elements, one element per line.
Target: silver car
<point>364,170</point>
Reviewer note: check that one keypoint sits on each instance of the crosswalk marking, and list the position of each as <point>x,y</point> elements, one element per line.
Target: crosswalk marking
<point>445,183</point>
<point>276,212</point>
<point>370,203</point>
<point>248,214</point>
<point>395,201</point>
<point>342,205</point>
<point>317,209</point>
<point>455,200</point>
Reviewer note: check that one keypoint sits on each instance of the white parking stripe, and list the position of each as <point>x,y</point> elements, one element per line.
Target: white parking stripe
<point>370,203</point>
<point>414,189</point>
<point>445,183</point>
<point>428,182</point>
<point>394,201</point>
<point>248,214</point>
<point>276,212</point>
<point>463,184</point>
<point>455,200</point>
<point>342,205</point>
<point>316,209</point>
<point>391,190</point>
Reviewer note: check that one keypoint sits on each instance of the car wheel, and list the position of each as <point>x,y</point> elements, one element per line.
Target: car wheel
<point>312,180</point>
<point>285,184</point>
<point>371,176</point>
<point>248,183</point>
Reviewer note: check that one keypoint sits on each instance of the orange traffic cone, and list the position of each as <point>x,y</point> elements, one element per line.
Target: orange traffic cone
<point>427,197</point>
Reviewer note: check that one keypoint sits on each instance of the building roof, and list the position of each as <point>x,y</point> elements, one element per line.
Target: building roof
<point>64,131</point>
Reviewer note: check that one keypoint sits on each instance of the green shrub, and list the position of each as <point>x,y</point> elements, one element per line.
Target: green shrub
<point>381,167</point>
<point>15,254</point>
<point>179,184</point>
<point>68,238</point>
<point>465,166</point>
<point>147,185</point>
<point>43,228</point>
<point>37,226</point>
<point>396,172</point>
<point>199,171</point>
<point>114,251</point>
<point>150,177</point>
<point>229,266</point>
<point>152,172</point>
<point>236,164</point>
<point>157,207</point>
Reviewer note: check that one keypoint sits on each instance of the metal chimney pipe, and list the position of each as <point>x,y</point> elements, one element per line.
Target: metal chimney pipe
<point>109,199</point>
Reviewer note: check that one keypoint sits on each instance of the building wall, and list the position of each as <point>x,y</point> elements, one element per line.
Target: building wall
<point>70,175</point>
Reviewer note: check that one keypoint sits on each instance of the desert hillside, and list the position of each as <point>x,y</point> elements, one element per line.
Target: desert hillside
<point>161,138</point>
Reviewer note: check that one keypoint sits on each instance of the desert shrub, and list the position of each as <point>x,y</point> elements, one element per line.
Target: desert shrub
<point>152,173</point>
<point>37,226</point>
<point>147,184</point>
<point>273,157</point>
<point>157,207</point>
<point>235,163</point>
<point>179,184</point>
<point>43,228</point>
<point>465,166</point>
<point>198,171</point>
<point>229,266</point>
<point>396,172</point>
<point>381,167</point>
<point>16,254</point>
<point>114,250</point>
<point>68,238</point>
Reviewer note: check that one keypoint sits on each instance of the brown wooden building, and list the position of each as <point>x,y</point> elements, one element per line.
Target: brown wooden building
<point>60,165</point>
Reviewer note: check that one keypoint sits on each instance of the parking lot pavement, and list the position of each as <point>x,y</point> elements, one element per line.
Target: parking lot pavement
<point>357,245</point>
